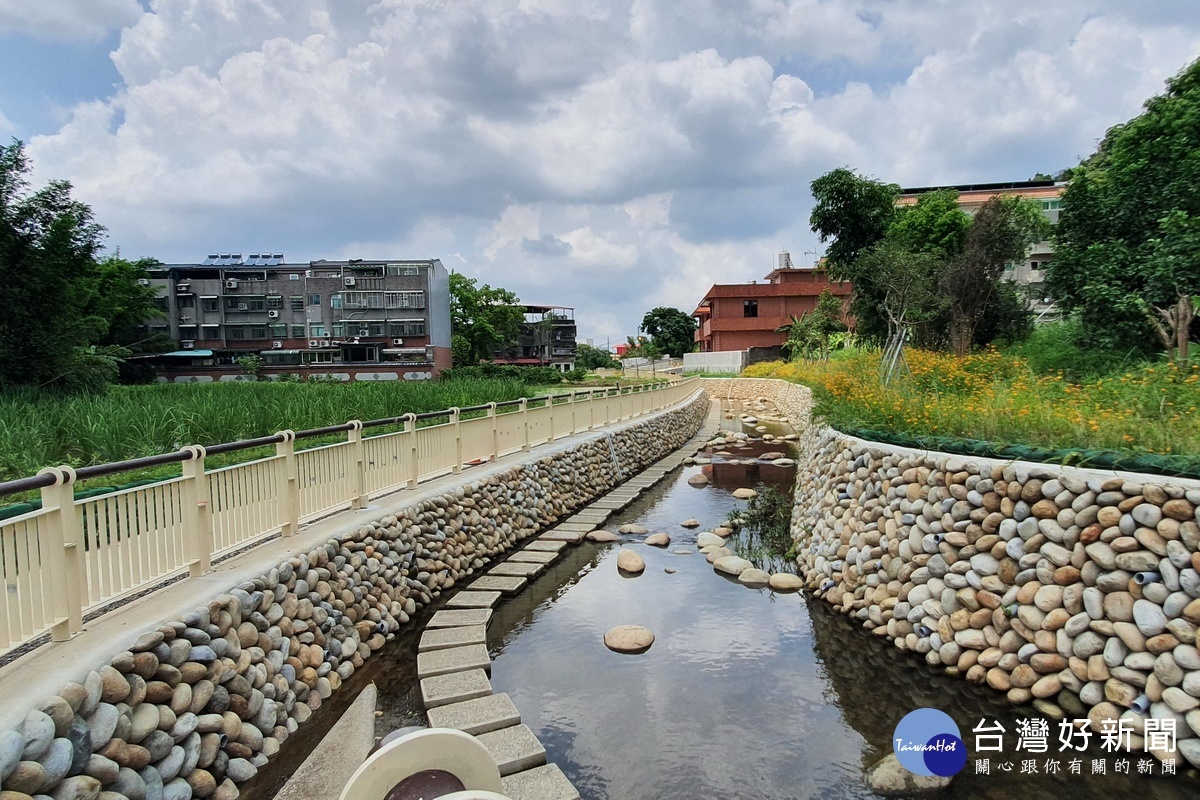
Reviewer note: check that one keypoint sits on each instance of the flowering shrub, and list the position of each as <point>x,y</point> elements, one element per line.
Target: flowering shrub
<point>995,397</point>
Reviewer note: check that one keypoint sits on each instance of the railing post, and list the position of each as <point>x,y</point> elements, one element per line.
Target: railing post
<point>591,409</point>
<point>456,421</point>
<point>62,539</point>
<point>525,423</point>
<point>495,431</point>
<point>197,513</point>
<point>550,416</point>
<point>359,448</point>
<point>289,484</point>
<point>414,455</point>
<point>574,411</point>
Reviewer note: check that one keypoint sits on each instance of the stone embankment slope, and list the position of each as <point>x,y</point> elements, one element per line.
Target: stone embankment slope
<point>1076,590</point>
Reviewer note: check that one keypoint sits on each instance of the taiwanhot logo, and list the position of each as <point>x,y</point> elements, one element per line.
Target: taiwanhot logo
<point>927,742</point>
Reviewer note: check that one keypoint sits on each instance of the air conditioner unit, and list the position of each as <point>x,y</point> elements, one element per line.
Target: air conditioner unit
<point>398,342</point>
<point>188,344</point>
<point>231,283</point>
<point>273,314</point>
<point>314,342</point>
<point>348,281</point>
<point>143,281</point>
<point>327,334</point>
<point>243,306</point>
<point>363,332</point>
<point>276,345</point>
<point>183,287</point>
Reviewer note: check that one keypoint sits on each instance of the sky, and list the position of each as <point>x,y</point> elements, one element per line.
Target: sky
<point>608,155</point>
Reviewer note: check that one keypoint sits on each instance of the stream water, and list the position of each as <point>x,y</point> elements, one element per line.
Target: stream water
<point>744,694</point>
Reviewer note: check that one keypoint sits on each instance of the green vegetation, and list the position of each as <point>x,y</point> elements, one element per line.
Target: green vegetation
<point>671,331</point>
<point>928,272</point>
<point>588,358</point>
<point>482,319</point>
<point>39,429</point>
<point>811,335</point>
<point>764,527</point>
<point>49,247</point>
<point>1142,408</point>
<point>1127,254</point>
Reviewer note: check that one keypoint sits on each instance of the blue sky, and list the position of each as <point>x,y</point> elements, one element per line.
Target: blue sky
<point>612,155</point>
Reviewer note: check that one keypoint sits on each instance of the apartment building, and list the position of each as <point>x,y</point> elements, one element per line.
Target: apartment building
<point>1030,273</point>
<point>359,319</point>
<point>738,316</point>
<point>547,339</point>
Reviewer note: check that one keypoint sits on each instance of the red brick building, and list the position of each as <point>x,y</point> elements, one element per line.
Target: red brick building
<point>737,316</point>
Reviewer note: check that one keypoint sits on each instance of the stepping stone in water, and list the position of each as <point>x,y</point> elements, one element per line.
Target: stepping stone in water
<point>457,617</point>
<point>545,546</point>
<point>531,557</point>
<point>455,687</point>
<point>472,599</point>
<point>540,783</point>
<point>442,638</point>
<point>515,749</point>
<point>602,536</point>
<point>517,569</point>
<point>629,639</point>
<point>497,583</point>
<point>453,659</point>
<point>481,715</point>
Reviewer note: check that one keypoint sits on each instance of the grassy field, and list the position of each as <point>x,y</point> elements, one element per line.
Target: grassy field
<point>37,430</point>
<point>1148,407</point>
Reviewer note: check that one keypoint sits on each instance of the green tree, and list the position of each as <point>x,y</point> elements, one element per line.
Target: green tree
<point>48,248</point>
<point>672,331</point>
<point>641,347</point>
<point>119,297</point>
<point>934,225</point>
<point>1126,257</point>
<point>809,335</point>
<point>999,234</point>
<point>482,318</point>
<point>589,357</point>
<point>854,214</point>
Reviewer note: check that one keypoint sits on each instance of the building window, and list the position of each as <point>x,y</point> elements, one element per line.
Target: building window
<point>297,331</point>
<point>406,327</point>
<point>749,308</point>
<point>274,301</point>
<point>235,303</point>
<point>209,304</point>
<point>316,330</point>
<point>245,332</point>
<point>314,299</point>
<point>296,302</point>
<point>407,270</point>
<point>335,301</point>
<point>405,299</point>
<point>278,330</point>
<point>1051,205</point>
<point>185,301</point>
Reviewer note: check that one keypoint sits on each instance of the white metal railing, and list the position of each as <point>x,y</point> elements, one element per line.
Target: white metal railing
<point>73,556</point>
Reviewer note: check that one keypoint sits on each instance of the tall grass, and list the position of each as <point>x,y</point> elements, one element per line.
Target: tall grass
<point>1143,407</point>
<point>38,430</point>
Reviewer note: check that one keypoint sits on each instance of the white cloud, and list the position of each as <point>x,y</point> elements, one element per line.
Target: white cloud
<point>613,155</point>
<point>66,19</point>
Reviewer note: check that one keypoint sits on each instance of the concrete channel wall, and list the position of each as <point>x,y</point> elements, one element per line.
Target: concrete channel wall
<point>1076,590</point>
<point>195,706</point>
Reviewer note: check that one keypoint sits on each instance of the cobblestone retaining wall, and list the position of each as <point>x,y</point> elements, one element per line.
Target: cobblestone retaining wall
<point>1076,590</point>
<point>199,705</point>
